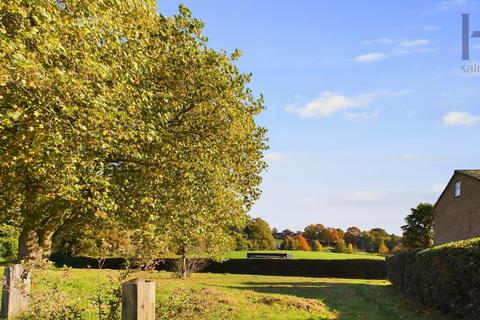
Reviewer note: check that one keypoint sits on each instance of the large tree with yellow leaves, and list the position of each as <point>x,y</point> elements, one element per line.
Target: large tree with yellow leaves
<point>109,111</point>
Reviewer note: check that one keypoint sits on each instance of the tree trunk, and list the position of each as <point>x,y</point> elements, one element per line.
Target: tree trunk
<point>34,244</point>
<point>184,266</point>
<point>46,242</point>
<point>35,240</point>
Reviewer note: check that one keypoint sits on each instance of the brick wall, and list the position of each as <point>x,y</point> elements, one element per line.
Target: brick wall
<point>458,218</point>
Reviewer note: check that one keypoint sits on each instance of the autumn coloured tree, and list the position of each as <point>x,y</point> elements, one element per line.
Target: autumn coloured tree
<point>382,248</point>
<point>302,243</point>
<point>330,236</point>
<point>109,111</point>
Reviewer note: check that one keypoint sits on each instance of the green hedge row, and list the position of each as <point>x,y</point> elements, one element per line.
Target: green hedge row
<point>446,277</point>
<point>351,268</point>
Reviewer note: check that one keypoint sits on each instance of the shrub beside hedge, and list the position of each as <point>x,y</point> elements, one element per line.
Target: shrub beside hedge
<point>446,277</point>
<point>352,268</point>
<point>8,242</point>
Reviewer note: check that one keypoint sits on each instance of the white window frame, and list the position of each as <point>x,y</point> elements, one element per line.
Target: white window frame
<point>457,192</point>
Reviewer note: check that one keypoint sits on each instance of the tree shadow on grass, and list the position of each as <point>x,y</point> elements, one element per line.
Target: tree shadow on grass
<point>351,301</point>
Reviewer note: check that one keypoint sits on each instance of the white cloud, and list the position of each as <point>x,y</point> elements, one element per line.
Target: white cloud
<point>413,46</point>
<point>397,47</point>
<point>361,116</point>
<point>456,118</point>
<point>329,103</point>
<point>275,156</point>
<point>370,57</point>
<point>404,92</point>
<point>412,50</point>
<point>414,43</point>
<point>376,41</point>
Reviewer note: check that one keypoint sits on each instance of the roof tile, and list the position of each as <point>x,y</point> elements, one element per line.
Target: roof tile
<point>472,173</point>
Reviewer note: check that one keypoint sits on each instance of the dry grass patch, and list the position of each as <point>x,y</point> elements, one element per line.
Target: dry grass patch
<point>308,305</point>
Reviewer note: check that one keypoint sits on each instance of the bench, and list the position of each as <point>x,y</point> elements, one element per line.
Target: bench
<point>268,255</point>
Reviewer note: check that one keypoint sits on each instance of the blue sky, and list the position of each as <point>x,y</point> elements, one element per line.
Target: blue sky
<point>368,111</point>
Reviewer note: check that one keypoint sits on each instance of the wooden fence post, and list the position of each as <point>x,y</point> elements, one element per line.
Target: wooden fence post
<point>15,291</point>
<point>138,300</point>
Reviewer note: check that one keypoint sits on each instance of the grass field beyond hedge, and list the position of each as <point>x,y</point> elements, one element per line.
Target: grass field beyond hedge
<point>249,297</point>
<point>310,255</point>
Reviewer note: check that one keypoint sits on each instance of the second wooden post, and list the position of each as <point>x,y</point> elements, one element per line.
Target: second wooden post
<point>138,300</point>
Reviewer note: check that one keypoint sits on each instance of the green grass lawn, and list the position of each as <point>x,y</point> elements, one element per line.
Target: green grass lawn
<point>227,296</point>
<point>310,255</point>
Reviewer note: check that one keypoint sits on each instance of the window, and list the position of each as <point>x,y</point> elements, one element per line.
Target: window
<point>458,189</point>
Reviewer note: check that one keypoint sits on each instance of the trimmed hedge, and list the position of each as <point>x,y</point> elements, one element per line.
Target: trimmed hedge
<point>446,277</point>
<point>354,268</point>
<point>60,260</point>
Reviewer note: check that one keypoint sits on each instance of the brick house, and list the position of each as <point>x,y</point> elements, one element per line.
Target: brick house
<point>457,211</point>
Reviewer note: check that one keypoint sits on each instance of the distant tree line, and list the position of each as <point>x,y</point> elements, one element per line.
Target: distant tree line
<point>417,233</point>
<point>257,235</point>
